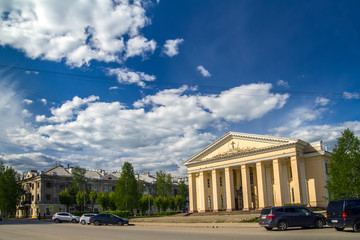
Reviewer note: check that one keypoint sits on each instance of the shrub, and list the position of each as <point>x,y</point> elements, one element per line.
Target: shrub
<point>124,214</point>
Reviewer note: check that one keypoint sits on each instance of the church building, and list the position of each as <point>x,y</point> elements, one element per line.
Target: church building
<point>242,171</point>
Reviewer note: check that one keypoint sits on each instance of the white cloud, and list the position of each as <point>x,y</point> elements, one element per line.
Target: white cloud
<point>139,46</point>
<point>126,76</point>
<point>74,31</point>
<point>348,95</point>
<point>321,101</point>
<point>28,101</point>
<point>67,111</point>
<point>171,47</point>
<point>113,88</point>
<point>203,71</point>
<point>282,83</point>
<point>44,101</point>
<point>158,132</point>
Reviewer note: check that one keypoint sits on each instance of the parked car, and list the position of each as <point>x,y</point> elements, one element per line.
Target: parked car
<point>107,218</point>
<point>290,216</point>
<point>85,218</point>
<point>344,213</point>
<point>65,217</point>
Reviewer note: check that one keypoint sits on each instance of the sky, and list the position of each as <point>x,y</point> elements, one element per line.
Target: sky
<point>100,83</point>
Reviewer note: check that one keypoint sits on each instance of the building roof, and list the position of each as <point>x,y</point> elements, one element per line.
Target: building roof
<point>57,171</point>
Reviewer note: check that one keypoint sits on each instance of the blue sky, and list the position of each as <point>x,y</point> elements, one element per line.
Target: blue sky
<point>98,83</point>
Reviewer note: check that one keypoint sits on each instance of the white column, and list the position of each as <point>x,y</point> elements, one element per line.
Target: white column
<point>246,189</point>
<point>215,190</point>
<point>192,192</point>
<point>229,186</point>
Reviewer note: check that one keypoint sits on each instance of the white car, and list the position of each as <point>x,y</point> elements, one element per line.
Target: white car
<point>85,218</point>
<point>65,217</point>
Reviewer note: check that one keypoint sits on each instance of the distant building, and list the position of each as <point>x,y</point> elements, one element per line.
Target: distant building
<point>246,171</point>
<point>42,190</point>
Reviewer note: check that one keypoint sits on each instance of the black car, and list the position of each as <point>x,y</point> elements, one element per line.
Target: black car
<point>107,218</point>
<point>344,213</point>
<point>290,216</point>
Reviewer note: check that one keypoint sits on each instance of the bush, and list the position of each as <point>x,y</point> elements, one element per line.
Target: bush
<point>168,213</point>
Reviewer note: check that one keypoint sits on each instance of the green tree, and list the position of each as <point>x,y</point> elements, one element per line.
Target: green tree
<point>145,202</point>
<point>79,180</point>
<point>66,198</point>
<point>81,198</point>
<point>93,196</point>
<point>112,201</point>
<point>179,201</point>
<point>163,184</point>
<point>104,200</point>
<point>10,190</point>
<point>344,168</point>
<point>183,189</point>
<point>127,190</point>
<point>161,203</point>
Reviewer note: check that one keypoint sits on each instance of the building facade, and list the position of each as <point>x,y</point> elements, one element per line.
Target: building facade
<point>246,171</point>
<point>42,191</point>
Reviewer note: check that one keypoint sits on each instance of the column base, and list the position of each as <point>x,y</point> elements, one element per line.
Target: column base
<point>202,211</point>
<point>216,210</point>
<point>230,210</point>
<point>246,209</point>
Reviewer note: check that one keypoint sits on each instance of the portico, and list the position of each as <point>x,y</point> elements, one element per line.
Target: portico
<point>247,171</point>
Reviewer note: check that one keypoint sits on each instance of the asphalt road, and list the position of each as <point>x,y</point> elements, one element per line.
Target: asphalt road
<point>47,230</point>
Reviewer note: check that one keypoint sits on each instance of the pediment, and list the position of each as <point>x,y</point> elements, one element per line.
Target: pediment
<point>234,143</point>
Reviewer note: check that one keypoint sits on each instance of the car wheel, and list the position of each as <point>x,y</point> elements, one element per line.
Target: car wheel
<point>73,221</point>
<point>356,226</point>
<point>319,223</point>
<point>282,226</point>
<point>56,220</point>
<point>120,223</point>
<point>96,223</point>
<point>339,228</point>
<point>83,222</point>
<point>268,228</point>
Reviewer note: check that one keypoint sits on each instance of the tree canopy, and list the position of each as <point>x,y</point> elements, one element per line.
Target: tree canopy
<point>78,175</point>
<point>127,191</point>
<point>66,198</point>
<point>344,168</point>
<point>163,184</point>
<point>10,189</point>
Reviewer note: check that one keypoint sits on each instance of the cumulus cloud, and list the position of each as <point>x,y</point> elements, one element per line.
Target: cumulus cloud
<point>158,132</point>
<point>203,71</point>
<point>171,47</point>
<point>139,46</point>
<point>126,76</point>
<point>35,160</point>
<point>76,32</point>
<point>44,101</point>
<point>348,95</point>
<point>28,101</point>
<point>282,83</point>
<point>322,101</point>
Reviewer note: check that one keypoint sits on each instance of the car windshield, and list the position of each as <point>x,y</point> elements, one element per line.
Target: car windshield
<point>265,211</point>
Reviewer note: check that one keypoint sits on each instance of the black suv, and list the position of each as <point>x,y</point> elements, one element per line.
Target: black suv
<point>290,216</point>
<point>344,213</point>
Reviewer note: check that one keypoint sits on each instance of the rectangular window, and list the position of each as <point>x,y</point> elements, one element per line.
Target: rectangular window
<point>38,184</point>
<point>220,180</point>
<point>95,187</point>
<point>48,197</point>
<point>106,188</point>
<point>208,182</point>
<point>48,184</point>
<point>38,197</point>
<point>89,187</point>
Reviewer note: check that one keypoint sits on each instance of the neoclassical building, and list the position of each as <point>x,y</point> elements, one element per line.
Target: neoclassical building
<point>246,171</point>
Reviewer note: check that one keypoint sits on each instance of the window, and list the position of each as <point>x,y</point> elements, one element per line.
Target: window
<point>302,210</point>
<point>32,197</point>
<point>113,189</point>
<point>38,184</point>
<point>208,182</point>
<point>220,182</point>
<point>222,201</point>
<point>251,176</point>
<point>290,210</point>
<point>354,207</point>
<point>106,188</point>
<point>48,197</point>
<point>38,197</point>
<point>89,187</point>
<point>209,201</point>
<point>48,184</point>
<point>293,194</point>
<point>95,187</point>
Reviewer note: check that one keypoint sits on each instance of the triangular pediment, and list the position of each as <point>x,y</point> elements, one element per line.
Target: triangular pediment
<point>234,143</point>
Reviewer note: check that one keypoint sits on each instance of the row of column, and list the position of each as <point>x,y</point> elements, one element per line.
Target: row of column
<point>271,186</point>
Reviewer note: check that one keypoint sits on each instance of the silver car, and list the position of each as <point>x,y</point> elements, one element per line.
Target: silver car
<point>85,218</point>
<point>65,217</point>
